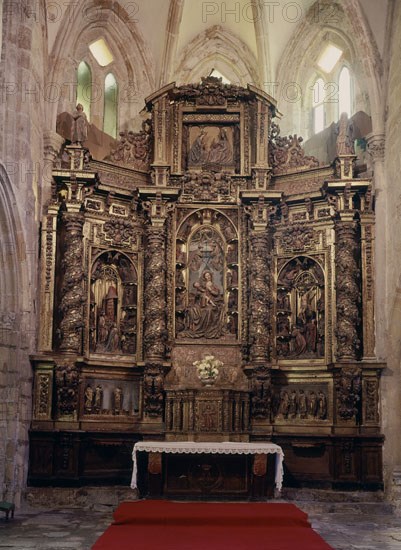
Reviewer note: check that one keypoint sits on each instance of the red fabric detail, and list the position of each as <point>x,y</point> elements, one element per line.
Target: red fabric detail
<point>157,512</point>
<point>149,525</point>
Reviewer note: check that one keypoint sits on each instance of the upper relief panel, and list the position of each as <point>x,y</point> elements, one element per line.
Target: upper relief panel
<point>211,127</point>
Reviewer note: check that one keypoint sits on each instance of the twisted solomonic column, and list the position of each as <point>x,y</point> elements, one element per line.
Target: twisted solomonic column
<point>72,293</point>
<point>155,304</point>
<point>348,291</point>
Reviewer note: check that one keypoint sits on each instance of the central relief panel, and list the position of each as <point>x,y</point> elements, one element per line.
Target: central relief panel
<point>206,291</point>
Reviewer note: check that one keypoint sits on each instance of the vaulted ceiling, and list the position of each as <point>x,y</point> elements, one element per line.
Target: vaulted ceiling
<point>264,28</point>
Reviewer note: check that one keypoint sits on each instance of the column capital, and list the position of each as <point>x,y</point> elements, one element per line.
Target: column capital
<point>376,146</point>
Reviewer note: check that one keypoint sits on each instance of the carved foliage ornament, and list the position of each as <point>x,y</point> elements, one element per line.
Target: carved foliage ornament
<point>348,291</point>
<point>72,298</point>
<point>260,299</point>
<point>211,92</point>
<point>298,237</point>
<point>67,381</point>
<point>286,153</point>
<point>208,186</point>
<point>153,385</point>
<point>134,149</point>
<point>155,334</point>
<point>348,388</point>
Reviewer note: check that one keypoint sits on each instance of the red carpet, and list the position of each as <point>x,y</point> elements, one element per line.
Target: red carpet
<point>160,524</point>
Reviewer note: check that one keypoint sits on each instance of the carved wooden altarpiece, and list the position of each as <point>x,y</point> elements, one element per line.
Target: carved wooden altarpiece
<point>207,233</point>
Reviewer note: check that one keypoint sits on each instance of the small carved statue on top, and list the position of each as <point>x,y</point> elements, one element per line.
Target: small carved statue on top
<point>79,130</point>
<point>344,144</point>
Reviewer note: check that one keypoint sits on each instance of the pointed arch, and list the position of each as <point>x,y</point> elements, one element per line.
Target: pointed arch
<point>220,49</point>
<point>347,29</point>
<point>133,66</point>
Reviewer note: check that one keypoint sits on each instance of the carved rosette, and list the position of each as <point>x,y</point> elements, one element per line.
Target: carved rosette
<point>348,393</point>
<point>259,323</point>
<point>153,385</point>
<point>348,291</point>
<point>155,294</point>
<point>72,295</point>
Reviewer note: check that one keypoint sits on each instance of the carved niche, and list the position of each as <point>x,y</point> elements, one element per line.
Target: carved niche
<point>113,304</point>
<point>206,277</point>
<point>300,313</point>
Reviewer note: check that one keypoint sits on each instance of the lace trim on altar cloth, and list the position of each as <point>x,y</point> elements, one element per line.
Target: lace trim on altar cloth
<point>225,447</point>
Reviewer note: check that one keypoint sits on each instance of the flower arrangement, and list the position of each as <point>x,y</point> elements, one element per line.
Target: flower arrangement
<point>208,368</point>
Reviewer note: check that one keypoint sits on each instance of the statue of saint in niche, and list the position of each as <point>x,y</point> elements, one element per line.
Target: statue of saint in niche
<point>204,318</point>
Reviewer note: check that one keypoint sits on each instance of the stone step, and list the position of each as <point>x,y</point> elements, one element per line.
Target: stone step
<point>329,495</point>
<point>89,498</point>
<point>346,508</point>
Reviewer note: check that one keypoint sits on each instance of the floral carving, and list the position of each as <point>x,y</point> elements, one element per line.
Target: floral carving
<point>72,297</point>
<point>261,397</point>
<point>153,385</point>
<point>118,231</point>
<point>348,291</point>
<point>298,237</point>
<point>211,92</point>
<point>286,154</point>
<point>348,388</point>
<point>155,334</point>
<point>207,186</point>
<point>259,323</point>
<point>134,149</point>
<point>67,381</point>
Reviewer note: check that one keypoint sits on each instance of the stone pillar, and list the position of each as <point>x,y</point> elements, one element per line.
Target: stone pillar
<point>52,143</point>
<point>72,298</point>
<point>348,291</point>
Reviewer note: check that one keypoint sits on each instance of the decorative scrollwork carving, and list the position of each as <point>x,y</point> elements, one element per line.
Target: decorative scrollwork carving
<point>72,298</point>
<point>67,381</point>
<point>153,385</point>
<point>348,291</point>
<point>260,300</point>
<point>286,153</point>
<point>261,398</point>
<point>155,334</point>
<point>211,92</point>
<point>134,149</point>
<point>207,186</point>
<point>348,389</point>
<point>298,237</point>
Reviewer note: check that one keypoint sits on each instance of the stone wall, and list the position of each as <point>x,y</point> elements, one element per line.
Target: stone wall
<point>22,69</point>
<point>391,390</point>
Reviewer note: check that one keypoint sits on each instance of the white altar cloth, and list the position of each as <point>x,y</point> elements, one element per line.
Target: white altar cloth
<point>224,447</point>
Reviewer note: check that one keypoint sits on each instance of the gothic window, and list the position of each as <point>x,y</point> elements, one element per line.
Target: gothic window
<point>345,92</point>
<point>84,87</point>
<point>110,105</point>
<point>318,106</point>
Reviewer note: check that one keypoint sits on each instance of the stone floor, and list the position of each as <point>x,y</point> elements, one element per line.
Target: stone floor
<point>351,525</point>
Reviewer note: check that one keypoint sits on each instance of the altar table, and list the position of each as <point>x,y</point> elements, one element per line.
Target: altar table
<point>258,451</point>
